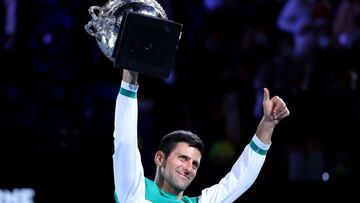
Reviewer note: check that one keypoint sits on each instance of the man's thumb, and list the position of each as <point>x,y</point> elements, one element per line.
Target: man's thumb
<point>266,95</point>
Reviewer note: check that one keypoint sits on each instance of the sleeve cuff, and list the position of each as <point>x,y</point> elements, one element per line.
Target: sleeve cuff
<point>128,90</point>
<point>258,146</point>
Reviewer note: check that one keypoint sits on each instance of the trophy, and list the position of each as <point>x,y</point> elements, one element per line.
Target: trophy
<point>136,35</point>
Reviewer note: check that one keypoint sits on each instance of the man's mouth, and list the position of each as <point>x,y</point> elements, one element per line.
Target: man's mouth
<point>183,176</point>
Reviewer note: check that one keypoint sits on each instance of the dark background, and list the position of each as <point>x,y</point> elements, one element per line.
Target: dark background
<point>57,93</point>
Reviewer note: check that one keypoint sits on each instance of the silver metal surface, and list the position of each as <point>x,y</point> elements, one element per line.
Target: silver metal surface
<point>102,25</point>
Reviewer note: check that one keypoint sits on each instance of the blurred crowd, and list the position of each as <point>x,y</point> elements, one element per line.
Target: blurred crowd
<point>58,90</point>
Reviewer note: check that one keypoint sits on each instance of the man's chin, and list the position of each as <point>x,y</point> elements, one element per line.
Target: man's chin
<point>183,185</point>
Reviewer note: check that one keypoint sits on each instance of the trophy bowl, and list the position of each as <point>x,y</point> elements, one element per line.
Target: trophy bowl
<point>106,20</point>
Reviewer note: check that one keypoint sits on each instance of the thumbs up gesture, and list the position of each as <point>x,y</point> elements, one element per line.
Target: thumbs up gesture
<point>274,111</point>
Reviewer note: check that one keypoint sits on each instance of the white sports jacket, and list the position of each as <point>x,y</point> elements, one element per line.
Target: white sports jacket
<point>130,184</point>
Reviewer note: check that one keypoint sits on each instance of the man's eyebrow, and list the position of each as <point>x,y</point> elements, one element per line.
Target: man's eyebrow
<point>184,156</point>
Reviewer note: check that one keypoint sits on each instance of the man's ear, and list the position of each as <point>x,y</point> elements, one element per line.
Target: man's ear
<point>159,158</point>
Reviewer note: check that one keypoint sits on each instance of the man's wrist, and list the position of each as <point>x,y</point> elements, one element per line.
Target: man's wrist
<point>130,76</point>
<point>265,131</point>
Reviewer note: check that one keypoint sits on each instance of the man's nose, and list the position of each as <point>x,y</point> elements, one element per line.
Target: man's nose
<point>188,166</point>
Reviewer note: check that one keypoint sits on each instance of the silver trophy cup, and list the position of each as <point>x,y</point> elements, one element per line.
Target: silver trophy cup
<point>107,19</point>
<point>136,35</point>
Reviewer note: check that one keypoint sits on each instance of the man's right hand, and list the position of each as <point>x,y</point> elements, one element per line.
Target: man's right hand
<point>130,76</point>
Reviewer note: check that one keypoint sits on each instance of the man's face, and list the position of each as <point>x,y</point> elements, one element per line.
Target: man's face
<point>180,167</point>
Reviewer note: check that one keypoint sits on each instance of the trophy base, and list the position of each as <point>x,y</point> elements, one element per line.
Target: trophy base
<point>146,44</point>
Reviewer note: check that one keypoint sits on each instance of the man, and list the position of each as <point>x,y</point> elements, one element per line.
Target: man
<point>179,156</point>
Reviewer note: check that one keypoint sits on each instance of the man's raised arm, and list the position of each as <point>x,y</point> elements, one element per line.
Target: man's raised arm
<point>248,166</point>
<point>128,170</point>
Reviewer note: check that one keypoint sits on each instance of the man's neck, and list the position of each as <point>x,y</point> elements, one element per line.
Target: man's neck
<point>180,195</point>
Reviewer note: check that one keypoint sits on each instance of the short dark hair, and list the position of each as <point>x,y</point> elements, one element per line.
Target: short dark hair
<point>169,141</point>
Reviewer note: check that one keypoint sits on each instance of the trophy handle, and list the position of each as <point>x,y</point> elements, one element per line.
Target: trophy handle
<point>93,26</point>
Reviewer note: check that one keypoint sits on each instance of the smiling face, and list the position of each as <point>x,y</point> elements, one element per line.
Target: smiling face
<point>179,169</point>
